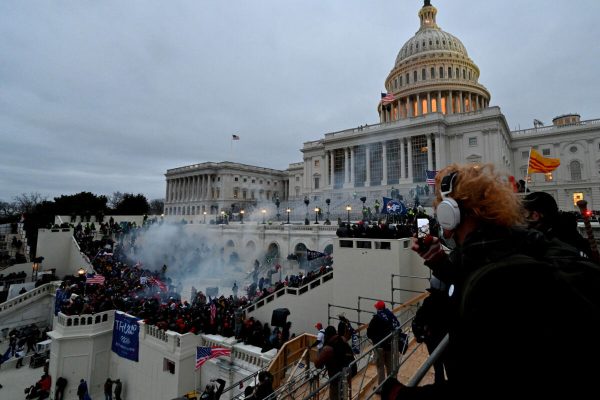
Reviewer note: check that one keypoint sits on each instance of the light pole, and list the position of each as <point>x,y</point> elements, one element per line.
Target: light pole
<point>277,203</point>
<point>288,211</point>
<point>222,217</point>
<point>242,212</point>
<point>327,221</point>
<point>316,215</point>
<point>204,213</point>
<point>348,209</point>
<point>263,211</point>
<point>35,267</point>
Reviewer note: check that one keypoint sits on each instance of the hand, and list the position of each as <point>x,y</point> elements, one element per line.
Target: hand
<point>433,253</point>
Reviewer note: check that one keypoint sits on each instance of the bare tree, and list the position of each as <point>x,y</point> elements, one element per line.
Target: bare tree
<point>26,202</point>
<point>8,209</point>
<point>157,206</point>
<point>115,199</point>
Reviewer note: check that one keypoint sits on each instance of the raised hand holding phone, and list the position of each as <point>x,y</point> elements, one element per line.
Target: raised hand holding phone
<point>424,238</point>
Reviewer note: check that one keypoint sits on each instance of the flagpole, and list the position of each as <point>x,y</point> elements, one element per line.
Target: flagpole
<point>527,177</point>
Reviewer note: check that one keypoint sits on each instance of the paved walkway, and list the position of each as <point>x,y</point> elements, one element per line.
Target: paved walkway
<point>14,381</point>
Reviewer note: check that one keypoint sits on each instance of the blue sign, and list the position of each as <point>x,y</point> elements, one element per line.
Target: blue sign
<point>126,336</point>
<point>391,206</point>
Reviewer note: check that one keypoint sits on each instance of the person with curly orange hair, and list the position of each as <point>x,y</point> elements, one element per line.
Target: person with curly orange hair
<point>508,300</point>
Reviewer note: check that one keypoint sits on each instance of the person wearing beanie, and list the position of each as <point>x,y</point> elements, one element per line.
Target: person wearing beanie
<point>382,324</point>
<point>542,214</point>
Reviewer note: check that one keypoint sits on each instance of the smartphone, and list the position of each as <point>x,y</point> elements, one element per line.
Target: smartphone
<point>423,234</point>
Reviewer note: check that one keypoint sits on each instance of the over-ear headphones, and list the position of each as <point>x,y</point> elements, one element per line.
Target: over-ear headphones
<point>448,211</point>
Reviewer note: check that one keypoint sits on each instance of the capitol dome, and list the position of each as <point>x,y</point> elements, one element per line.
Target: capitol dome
<point>432,73</point>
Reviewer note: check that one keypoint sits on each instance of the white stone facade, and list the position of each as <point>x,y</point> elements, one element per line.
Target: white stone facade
<point>437,113</point>
<point>214,187</point>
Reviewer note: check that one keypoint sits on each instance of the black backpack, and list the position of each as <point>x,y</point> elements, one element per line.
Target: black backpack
<point>550,307</point>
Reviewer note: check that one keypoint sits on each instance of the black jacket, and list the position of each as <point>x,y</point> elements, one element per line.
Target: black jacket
<point>519,323</point>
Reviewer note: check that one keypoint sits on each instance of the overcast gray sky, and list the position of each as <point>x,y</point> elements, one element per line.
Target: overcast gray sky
<point>105,96</point>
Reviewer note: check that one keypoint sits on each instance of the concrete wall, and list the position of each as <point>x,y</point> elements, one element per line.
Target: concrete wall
<point>60,251</point>
<point>81,348</point>
<point>305,309</point>
<point>367,272</point>
<point>34,307</point>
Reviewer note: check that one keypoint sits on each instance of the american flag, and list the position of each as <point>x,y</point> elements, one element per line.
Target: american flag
<point>235,137</point>
<point>203,354</point>
<point>387,98</point>
<point>95,280</point>
<point>430,177</point>
<point>161,285</point>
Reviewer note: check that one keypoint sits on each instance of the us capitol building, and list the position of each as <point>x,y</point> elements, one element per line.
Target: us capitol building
<point>435,113</point>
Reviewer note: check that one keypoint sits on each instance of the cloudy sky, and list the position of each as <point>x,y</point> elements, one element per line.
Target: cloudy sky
<point>105,96</point>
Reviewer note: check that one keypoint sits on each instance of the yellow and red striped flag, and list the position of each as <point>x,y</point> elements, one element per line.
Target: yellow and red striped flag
<point>541,164</point>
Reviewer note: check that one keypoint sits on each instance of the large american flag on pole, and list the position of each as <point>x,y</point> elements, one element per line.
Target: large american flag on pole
<point>95,280</point>
<point>203,354</point>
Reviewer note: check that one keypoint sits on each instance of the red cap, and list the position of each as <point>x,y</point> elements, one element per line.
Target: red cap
<point>380,305</point>
<point>319,325</point>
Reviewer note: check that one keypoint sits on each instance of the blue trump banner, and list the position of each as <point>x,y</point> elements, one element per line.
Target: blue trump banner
<point>126,336</point>
<point>391,206</point>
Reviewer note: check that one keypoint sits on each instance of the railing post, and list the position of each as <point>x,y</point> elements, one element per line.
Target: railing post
<point>395,352</point>
<point>343,384</point>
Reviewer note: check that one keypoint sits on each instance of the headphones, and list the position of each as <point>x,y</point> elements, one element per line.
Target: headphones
<point>448,211</point>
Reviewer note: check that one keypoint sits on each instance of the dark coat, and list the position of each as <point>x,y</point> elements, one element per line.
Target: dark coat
<point>519,323</point>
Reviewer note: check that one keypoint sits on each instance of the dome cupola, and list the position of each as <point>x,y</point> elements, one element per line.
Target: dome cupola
<point>432,73</point>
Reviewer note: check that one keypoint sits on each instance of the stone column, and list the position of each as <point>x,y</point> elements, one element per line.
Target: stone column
<point>439,101</point>
<point>402,160</point>
<point>428,103</point>
<point>368,164</point>
<point>331,169</point>
<point>209,188</point>
<point>410,161</point>
<point>438,155</point>
<point>384,177</point>
<point>419,105</point>
<point>167,192</point>
<point>429,153</point>
<point>346,167</point>
<point>461,106</point>
<point>449,103</point>
<point>352,173</point>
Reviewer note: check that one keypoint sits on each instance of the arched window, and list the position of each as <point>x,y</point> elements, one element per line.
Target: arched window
<point>575,168</point>
<point>457,73</point>
<point>414,76</point>
<point>441,72</point>
<point>464,74</point>
<point>449,72</point>
<point>432,73</point>
<point>423,77</point>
